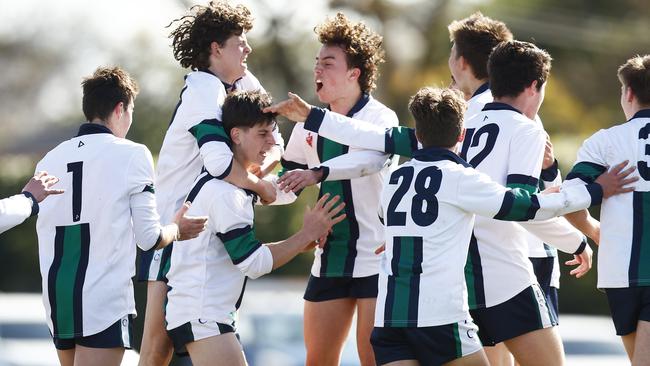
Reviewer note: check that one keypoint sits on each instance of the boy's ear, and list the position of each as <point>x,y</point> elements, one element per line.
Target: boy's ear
<point>531,88</point>
<point>629,94</point>
<point>463,62</point>
<point>215,50</point>
<point>461,137</point>
<point>234,135</point>
<point>118,110</point>
<point>355,73</point>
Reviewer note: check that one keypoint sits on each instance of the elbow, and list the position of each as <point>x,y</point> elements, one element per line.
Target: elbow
<point>252,270</point>
<point>150,241</point>
<point>219,169</point>
<point>258,264</point>
<point>253,274</point>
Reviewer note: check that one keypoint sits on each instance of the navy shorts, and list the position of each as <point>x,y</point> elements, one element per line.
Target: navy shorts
<point>153,265</point>
<point>628,305</point>
<point>196,330</point>
<point>525,312</point>
<point>543,268</point>
<point>117,335</point>
<point>326,288</point>
<point>428,345</point>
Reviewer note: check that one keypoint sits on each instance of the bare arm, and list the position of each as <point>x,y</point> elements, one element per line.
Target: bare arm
<point>241,178</point>
<point>316,224</point>
<point>584,222</point>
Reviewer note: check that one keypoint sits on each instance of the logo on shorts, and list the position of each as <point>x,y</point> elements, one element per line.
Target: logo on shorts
<point>156,257</point>
<point>309,139</point>
<point>125,322</point>
<point>201,321</point>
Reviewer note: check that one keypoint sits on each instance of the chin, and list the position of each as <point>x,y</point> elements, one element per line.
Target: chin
<point>322,97</point>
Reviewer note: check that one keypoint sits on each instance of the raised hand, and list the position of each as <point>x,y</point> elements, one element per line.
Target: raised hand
<point>318,221</point>
<point>615,180</point>
<point>39,186</point>
<point>294,108</point>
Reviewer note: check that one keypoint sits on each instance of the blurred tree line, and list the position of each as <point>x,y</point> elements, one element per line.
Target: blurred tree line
<point>587,39</point>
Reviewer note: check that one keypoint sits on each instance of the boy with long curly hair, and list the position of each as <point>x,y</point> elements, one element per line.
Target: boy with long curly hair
<point>344,273</point>
<point>211,41</point>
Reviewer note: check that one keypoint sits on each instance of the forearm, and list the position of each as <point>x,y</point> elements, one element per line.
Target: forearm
<point>355,164</point>
<point>556,232</point>
<point>519,205</point>
<point>14,210</point>
<point>149,234</point>
<point>240,177</point>
<point>168,235</point>
<point>398,140</point>
<point>285,250</point>
<point>584,222</point>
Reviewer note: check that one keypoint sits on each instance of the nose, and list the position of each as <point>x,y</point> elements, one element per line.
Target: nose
<point>248,48</point>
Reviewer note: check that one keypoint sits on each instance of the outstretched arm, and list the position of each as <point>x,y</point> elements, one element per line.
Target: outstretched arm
<point>15,209</point>
<point>348,131</point>
<point>479,194</point>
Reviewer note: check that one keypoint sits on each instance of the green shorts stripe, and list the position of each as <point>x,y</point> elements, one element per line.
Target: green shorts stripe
<point>459,345</point>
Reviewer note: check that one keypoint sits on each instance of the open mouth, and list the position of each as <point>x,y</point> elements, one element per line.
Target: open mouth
<point>319,85</point>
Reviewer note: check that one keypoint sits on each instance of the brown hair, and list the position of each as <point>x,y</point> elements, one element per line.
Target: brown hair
<point>438,115</point>
<point>514,65</point>
<point>635,74</point>
<point>192,38</point>
<point>475,37</point>
<point>243,109</point>
<point>104,89</point>
<point>362,47</point>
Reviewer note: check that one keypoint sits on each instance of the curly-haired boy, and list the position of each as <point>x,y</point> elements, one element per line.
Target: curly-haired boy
<point>211,41</point>
<point>344,274</point>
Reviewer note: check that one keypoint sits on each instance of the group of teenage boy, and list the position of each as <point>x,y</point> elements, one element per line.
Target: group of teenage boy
<point>426,254</point>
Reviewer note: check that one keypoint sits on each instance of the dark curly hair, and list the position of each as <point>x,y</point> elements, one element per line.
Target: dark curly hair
<point>438,115</point>
<point>362,47</point>
<point>104,89</point>
<point>216,22</point>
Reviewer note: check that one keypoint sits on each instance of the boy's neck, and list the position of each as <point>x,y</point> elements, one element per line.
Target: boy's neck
<point>221,74</point>
<point>344,104</point>
<point>474,84</point>
<point>520,103</point>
